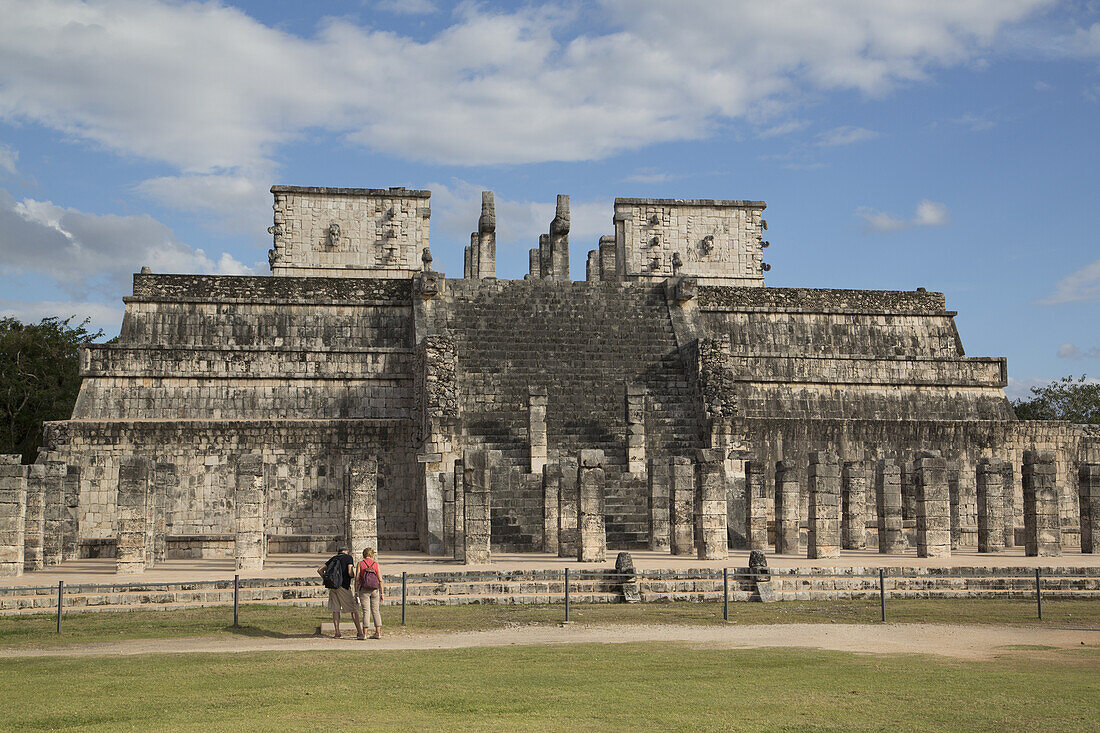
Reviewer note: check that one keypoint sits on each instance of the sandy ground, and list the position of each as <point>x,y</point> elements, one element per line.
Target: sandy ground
<point>102,570</point>
<point>961,642</point>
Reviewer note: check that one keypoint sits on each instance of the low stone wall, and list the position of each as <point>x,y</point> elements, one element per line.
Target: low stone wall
<point>590,586</point>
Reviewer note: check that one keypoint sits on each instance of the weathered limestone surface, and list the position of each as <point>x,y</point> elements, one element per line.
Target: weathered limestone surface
<point>53,535</point>
<point>1008,491</point>
<point>250,541</point>
<point>933,507</point>
<point>536,427</point>
<point>551,503</point>
<point>478,466</point>
<point>681,475</point>
<point>635,428</point>
<point>853,498</point>
<point>891,537</point>
<point>35,521</point>
<point>991,505</point>
<point>1089,492</point>
<point>787,506</point>
<point>559,241</point>
<point>590,506</point>
<point>13,514</point>
<point>460,511</point>
<point>823,482</point>
<point>568,511</point>
<point>362,506</point>
<point>1042,525</point>
<point>659,505</point>
<point>711,540</point>
<point>134,474</point>
<point>756,531</point>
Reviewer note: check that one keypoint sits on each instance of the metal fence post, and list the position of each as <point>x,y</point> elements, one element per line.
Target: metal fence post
<point>1038,597</point>
<point>236,601</point>
<point>60,594</point>
<point>567,595</point>
<point>404,595</point>
<point>882,592</point>
<point>725,594</point>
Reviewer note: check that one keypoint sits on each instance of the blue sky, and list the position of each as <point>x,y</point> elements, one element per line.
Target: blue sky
<point>950,145</point>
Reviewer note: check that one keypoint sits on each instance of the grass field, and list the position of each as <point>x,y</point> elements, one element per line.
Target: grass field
<point>654,686</point>
<point>275,622</point>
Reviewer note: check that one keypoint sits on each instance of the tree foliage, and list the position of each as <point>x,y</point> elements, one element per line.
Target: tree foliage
<point>39,378</point>
<point>1074,399</point>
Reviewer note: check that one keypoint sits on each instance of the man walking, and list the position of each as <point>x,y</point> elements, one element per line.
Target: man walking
<point>337,574</point>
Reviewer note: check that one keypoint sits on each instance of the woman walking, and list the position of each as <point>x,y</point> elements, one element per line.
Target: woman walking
<point>368,580</point>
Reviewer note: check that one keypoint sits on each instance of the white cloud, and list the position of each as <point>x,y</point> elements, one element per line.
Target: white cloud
<point>1071,351</point>
<point>975,122</point>
<point>210,90</point>
<point>928,214</point>
<point>89,253</point>
<point>783,128</point>
<point>845,135</point>
<point>650,175</point>
<point>406,7</point>
<point>8,156</point>
<point>101,315</point>
<point>239,201</point>
<point>1079,286</point>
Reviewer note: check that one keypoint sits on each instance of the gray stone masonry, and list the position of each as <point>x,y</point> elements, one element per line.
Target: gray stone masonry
<point>756,526</point>
<point>35,524</point>
<point>545,262</point>
<point>823,483</point>
<point>53,535</point>
<point>590,506</point>
<point>608,263</point>
<point>659,512</point>
<point>853,499</point>
<point>568,529</point>
<point>134,474</point>
<point>1088,483</point>
<point>551,499</point>
<point>1008,490</point>
<point>460,511</point>
<point>536,427</point>
<point>891,536</point>
<point>447,478</point>
<point>478,466</point>
<point>991,505</point>
<point>592,266</point>
<point>249,498</point>
<point>534,267</point>
<point>681,483</point>
<point>933,507</point>
<point>559,240</point>
<point>787,505</point>
<point>635,428</point>
<point>487,238</point>
<point>165,487</point>
<point>711,541</point>
<point>13,515</point>
<point>955,508</point>
<point>1042,525</point>
<point>362,506</point>
<point>70,546</point>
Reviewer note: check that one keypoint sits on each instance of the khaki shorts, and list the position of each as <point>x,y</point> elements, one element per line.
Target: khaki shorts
<point>342,599</point>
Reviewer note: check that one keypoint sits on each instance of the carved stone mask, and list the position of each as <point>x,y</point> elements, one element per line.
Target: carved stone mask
<point>333,234</point>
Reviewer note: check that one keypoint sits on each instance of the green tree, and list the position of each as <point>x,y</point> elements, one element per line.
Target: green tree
<point>1074,399</point>
<point>39,378</point>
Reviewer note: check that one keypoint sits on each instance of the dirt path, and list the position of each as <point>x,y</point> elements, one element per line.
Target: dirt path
<point>963,642</point>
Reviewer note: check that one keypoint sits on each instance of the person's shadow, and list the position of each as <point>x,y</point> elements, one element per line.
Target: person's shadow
<point>256,632</point>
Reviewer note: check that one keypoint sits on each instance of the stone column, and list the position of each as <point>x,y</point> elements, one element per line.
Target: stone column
<point>891,535</point>
<point>70,544</point>
<point>1042,524</point>
<point>469,257</point>
<point>13,515</point>
<point>478,466</point>
<point>991,521</point>
<point>559,239</point>
<point>823,482</point>
<point>165,483</point>
<point>711,541</point>
<point>1088,493</point>
<point>534,269</point>
<point>250,540</point>
<point>53,535</point>
<point>787,501</point>
<point>460,511</point>
<point>536,427</point>
<point>487,238</point>
<point>447,478</point>
<point>853,500</point>
<point>592,266</point>
<point>134,474</point>
<point>955,508</point>
<point>756,525</point>
<point>546,264</point>
<point>35,523</point>
<point>361,503</point>
<point>551,498</point>
<point>933,506</point>
<point>1008,491</point>
<point>568,529</point>
<point>681,487</point>
<point>590,493</point>
<point>608,270</point>
<point>635,428</point>
<point>659,512</point>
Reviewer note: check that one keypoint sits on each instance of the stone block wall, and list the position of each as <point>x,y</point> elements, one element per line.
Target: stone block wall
<point>1089,492</point>
<point>1042,528</point>
<point>823,482</point>
<point>13,515</point>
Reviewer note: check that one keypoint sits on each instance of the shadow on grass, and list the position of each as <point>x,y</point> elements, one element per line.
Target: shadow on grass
<point>255,632</point>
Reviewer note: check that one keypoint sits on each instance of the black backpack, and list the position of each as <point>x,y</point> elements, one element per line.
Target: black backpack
<point>333,577</point>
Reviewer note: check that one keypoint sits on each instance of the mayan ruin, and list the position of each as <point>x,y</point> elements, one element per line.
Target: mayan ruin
<point>670,400</point>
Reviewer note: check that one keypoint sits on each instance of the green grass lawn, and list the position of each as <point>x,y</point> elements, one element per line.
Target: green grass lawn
<point>272,621</point>
<point>587,687</point>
